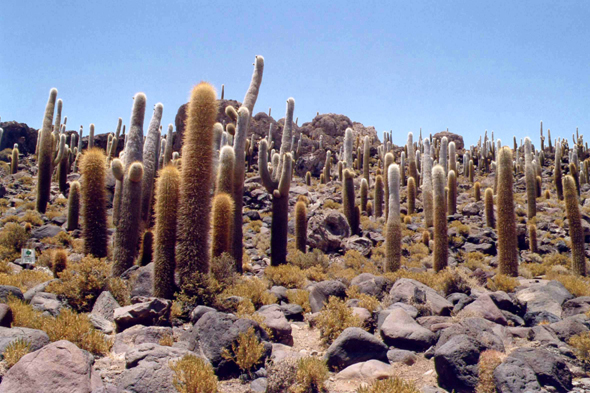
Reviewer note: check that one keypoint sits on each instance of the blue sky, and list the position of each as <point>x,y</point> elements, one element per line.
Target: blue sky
<point>465,65</point>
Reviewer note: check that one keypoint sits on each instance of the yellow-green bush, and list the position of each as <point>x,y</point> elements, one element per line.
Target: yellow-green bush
<point>488,361</point>
<point>247,352</point>
<point>253,289</point>
<point>13,237</point>
<point>389,385</point>
<point>287,275</point>
<point>25,280</point>
<point>16,350</point>
<point>315,258</point>
<point>312,374</point>
<point>502,282</point>
<point>193,375</point>
<point>334,318</point>
<point>300,297</point>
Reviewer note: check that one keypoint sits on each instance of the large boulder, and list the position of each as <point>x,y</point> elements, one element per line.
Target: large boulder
<point>20,133</point>
<point>278,324</point>
<point>399,330</point>
<point>137,335</point>
<point>216,332</point>
<point>514,375</point>
<point>5,315</point>
<point>105,306</point>
<point>485,307</point>
<point>36,338</point>
<point>546,296</point>
<point>456,362</point>
<point>59,367</point>
<point>327,230</point>
<point>487,333</point>
<point>579,305</point>
<point>149,312</point>
<point>372,285</point>
<point>549,369</point>
<point>321,292</point>
<point>47,230</point>
<point>143,281</point>
<point>458,139</point>
<point>7,291</point>
<point>312,162</point>
<point>406,290</point>
<point>368,371</point>
<point>147,369</point>
<point>354,345</point>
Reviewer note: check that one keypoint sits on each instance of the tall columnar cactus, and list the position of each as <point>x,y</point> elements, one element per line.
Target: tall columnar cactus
<point>166,207</point>
<point>506,224</point>
<point>477,191</point>
<point>328,166</point>
<point>557,172</point>
<point>572,209</point>
<point>452,158</point>
<point>225,173</point>
<point>128,226</point>
<point>340,168</point>
<point>277,184</point>
<point>348,202</point>
<point>489,207</point>
<point>114,146</point>
<point>91,137</point>
<point>169,144</point>
<point>574,174</point>
<point>223,210</point>
<point>366,157</point>
<point>441,241</point>
<point>452,195</point>
<point>348,140</point>
<point>243,119</point>
<point>14,159</point>
<point>413,169</point>
<point>411,195</point>
<point>73,206</point>
<point>301,226</point>
<point>62,170</point>
<point>378,197</point>
<point>388,161</point>
<point>529,169</point>
<point>533,244</point>
<point>402,168</point>
<point>308,178</point>
<point>146,255</point>
<point>49,156</point>
<point>364,194</point>
<point>195,198</point>
<point>94,203</point>
<point>471,171</point>
<point>393,232</point>
<point>427,193</point>
<point>151,149</point>
<point>444,146</point>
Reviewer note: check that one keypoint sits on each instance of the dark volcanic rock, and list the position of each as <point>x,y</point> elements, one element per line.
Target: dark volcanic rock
<point>20,133</point>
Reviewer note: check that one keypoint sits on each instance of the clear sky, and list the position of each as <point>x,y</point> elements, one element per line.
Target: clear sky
<point>396,65</point>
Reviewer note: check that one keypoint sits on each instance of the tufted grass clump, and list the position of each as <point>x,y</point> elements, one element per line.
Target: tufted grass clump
<point>25,280</point>
<point>32,217</point>
<point>282,376</point>
<point>15,351</point>
<point>304,261</point>
<point>369,302</point>
<point>488,361</point>
<point>330,204</point>
<point>581,343</point>
<point>311,376</point>
<point>253,289</point>
<point>287,275</point>
<point>334,318</point>
<point>13,237</point>
<point>461,228</point>
<point>389,385</point>
<point>577,285</point>
<point>193,375</point>
<point>502,282</point>
<point>247,352</point>
<point>300,297</point>
<point>62,239</point>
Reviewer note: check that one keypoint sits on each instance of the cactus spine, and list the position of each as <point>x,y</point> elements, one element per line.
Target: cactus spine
<point>14,160</point>
<point>506,225</point>
<point>223,210</point>
<point>393,233</point>
<point>166,207</point>
<point>151,150</point>
<point>195,199</point>
<point>452,195</point>
<point>576,230</point>
<point>128,226</point>
<point>301,226</point>
<point>73,206</point>
<point>378,196</point>
<point>411,195</point>
<point>489,207</point>
<point>278,186</point>
<point>94,209</point>
<point>441,243</point>
<point>348,201</point>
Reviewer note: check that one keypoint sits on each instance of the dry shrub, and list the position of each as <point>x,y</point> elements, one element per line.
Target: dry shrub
<point>287,275</point>
<point>199,289</point>
<point>488,361</point>
<point>369,302</point>
<point>312,373</point>
<point>13,237</point>
<point>315,258</point>
<point>354,260</point>
<point>166,340</point>
<point>16,350</point>
<point>461,228</point>
<point>62,239</point>
<point>253,289</point>
<point>315,273</point>
<point>581,343</point>
<point>255,225</point>
<point>330,204</point>
<point>334,318</point>
<point>60,261</point>
<point>300,297</point>
<point>247,352</point>
<point>68,325</point>
<point>82,282</point>
<point>475,260</point>
<point>31,217</point>
<point>193,375</point>
<point>120,290</point>
<point>246,310</point>
<point>389,385</point>
<point>223,268</point>
<point>25,280</point>
<point>502,282</point>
